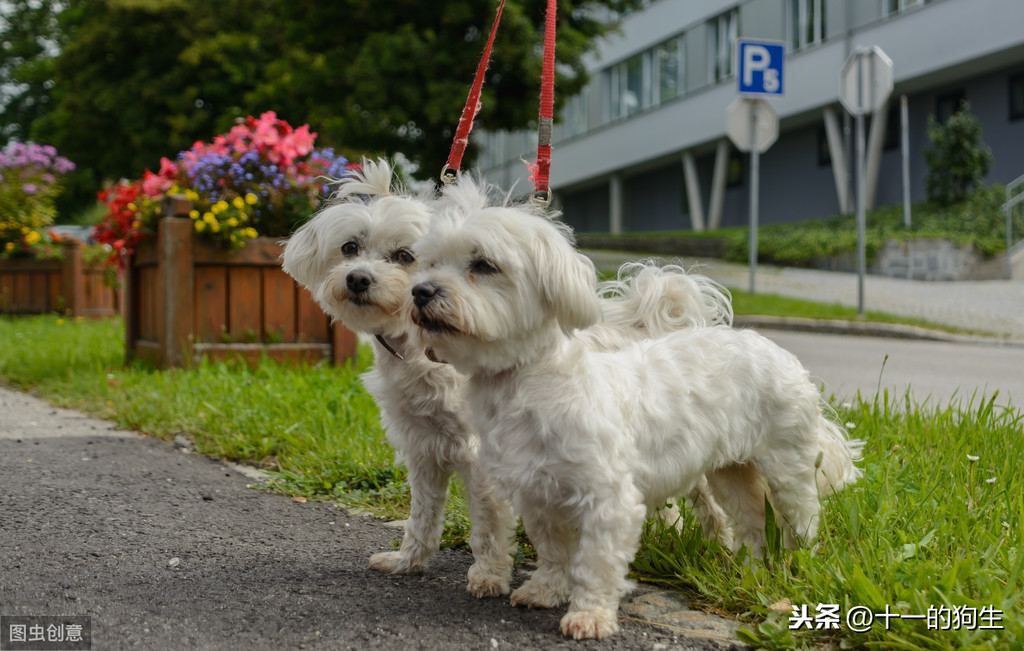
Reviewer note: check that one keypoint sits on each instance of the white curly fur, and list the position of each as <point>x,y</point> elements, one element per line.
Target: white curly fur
<point>585,442</point>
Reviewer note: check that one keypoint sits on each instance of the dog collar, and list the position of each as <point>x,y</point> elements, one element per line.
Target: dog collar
<point>388,347</point>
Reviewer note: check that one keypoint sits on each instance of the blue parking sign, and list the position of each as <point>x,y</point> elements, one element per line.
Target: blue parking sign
<point>760,66</point>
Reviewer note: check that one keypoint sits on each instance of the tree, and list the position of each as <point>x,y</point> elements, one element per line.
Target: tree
<point>141,79</point>
<point>958,160</point>
<point>29,41</point>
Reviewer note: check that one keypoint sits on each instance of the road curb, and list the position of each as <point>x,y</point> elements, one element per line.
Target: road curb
<point>866,329</point>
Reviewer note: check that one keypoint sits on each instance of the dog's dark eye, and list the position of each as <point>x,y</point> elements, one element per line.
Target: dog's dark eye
<point>349,248</point>
<point>402,256</point>
<point>483,266</point>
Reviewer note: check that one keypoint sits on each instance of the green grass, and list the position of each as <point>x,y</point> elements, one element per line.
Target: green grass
<point>935,522</point>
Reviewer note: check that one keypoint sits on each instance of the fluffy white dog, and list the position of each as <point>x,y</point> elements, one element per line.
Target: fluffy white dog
<point>584,443</point>
<point>355,258</point>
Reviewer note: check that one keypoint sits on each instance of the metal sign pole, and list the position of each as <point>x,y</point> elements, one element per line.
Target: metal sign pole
<point>905,146</point>
<point>861,188</point>
<point>755,190</point>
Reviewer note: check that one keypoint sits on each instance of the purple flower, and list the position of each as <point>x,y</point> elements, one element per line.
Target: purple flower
<point>29,188</point>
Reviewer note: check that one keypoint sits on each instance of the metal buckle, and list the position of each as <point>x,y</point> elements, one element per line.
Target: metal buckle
<point>541,198</point>
<point>449,176</point>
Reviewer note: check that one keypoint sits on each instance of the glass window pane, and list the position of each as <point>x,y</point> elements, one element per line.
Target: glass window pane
<point>667,57</point>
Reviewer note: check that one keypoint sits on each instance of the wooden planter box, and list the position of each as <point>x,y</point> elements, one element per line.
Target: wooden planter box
<point>186,298</point>
<point>69,286</point>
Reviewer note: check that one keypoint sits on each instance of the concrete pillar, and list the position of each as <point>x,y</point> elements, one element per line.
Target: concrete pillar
<point>693,192</point>
<point>876,140</point>
<point>616,208</point>
<point>718,184</point>
<point>837,153</point>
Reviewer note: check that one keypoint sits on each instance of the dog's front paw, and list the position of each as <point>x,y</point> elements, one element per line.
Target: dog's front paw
<point>394,563</point>
<point>594,623</point>
<point>537,594</point>
<point>487,582</point>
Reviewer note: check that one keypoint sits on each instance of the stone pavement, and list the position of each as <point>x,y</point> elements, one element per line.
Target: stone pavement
<point>990,306</point>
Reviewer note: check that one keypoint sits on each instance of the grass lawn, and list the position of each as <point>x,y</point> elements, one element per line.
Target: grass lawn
<point>933,530</point>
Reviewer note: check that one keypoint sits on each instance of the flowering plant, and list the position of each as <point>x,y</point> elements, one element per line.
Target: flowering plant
<point>30,180</point>
<point>261,178</point>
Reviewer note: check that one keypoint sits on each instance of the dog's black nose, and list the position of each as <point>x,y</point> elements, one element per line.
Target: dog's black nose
<point>358,281</point>
<point>423,293</point>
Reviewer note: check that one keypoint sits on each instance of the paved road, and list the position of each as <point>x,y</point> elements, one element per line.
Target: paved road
<point>994,306</point>
<point>936,371</point>
<point>169,550</point>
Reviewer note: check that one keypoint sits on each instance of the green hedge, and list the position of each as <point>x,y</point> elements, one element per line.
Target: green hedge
<point>978,220</point>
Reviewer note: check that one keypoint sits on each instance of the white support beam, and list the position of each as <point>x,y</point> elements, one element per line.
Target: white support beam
<point>718,184</point>
<point>693,192</point>
<point>615,204</point>
<point>876,140</point>
<point>837,152</point>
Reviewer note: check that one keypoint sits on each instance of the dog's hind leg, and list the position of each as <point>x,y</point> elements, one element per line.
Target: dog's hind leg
<point>491,539</point>
<point>548,585</point>
<point>794,496</point>
<point>713,520</point>
<point>428,483</point>
<point>740,492</point>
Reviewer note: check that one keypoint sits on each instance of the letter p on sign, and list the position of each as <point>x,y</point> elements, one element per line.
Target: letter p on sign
<point>761,65</point>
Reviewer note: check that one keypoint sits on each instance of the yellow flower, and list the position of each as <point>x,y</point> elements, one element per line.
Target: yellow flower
<point>194,214</point>
<point>220,206</point>
<point>251,198</point>
<point>250,233</point>
<point>215,227</point>
<point>32,237</point>
<point>25,230</point>
<point>60,321</point>
<point>209,218</point>
<point>132,207</point>
<point>191,195</point>
<point>232,222</point>
<point>200,226</point>
<point>9,246</point>
<point>238,202</point>
<point>136,224</point>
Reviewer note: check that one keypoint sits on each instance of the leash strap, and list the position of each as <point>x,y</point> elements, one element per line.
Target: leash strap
<point>545,123</point>
<point>450,173</point>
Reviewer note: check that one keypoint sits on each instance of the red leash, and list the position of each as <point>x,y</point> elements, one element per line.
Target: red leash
<point>545,123</point>
<point>450,173</point>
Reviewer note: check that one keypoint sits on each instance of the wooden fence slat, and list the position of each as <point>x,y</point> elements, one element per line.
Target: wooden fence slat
<point>211,302</point>
<point>278,306</point>
<point>245,308</point>
<point>312,322</point>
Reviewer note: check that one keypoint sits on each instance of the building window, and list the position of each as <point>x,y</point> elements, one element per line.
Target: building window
<point>806,23</point>
<point>722,31</point>
<point>1017,96</point>
<point>893,7</point>
<point>948,104</point>
<point>628,87</point>
<point>574,116</point>
<point>669,70</point>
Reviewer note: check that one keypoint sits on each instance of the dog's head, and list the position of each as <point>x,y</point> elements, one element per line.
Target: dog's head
<point>355,256</point>
<point>497,281</point>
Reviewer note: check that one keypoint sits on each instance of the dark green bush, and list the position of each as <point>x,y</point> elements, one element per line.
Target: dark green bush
<point>978,219</point>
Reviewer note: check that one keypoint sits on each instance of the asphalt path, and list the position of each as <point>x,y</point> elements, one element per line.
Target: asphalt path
<point>164,549</point>
<point>934,372</point>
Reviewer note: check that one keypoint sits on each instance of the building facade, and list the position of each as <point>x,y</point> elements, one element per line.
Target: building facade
<point>643,147</point>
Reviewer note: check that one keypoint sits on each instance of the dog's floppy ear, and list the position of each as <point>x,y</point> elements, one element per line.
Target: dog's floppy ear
<point>568,282</point>
<point>301,258</point>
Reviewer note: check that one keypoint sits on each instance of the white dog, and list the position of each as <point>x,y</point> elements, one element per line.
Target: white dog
<point>355,258</point>
<point>584,443</point>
